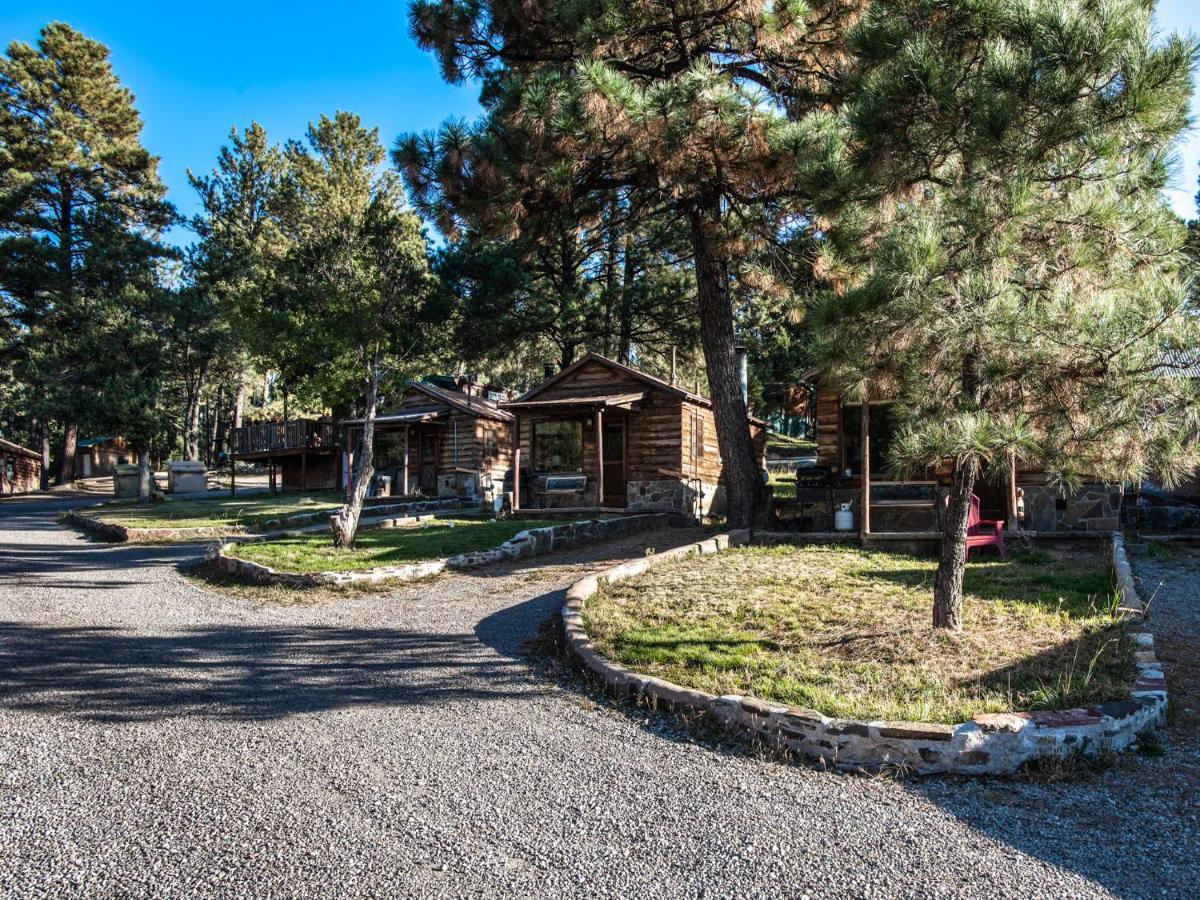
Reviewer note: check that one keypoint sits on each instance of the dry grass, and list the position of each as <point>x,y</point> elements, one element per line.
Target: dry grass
<point>847,631</point>
<point>211,577</point>
<point>249,511</point>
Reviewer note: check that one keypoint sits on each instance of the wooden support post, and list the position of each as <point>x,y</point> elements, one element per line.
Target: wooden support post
<point>270,475</point>
<point>404,473</point>
<point>303,471</point>
<point>864,524</point>
<point>516,503</point>
<point>232,476</point>
<point>600,457</point>
<point>1012,492</point>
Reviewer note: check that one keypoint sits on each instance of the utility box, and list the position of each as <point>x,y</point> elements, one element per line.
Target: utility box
<point>186,477</point>
<point>125,479</point>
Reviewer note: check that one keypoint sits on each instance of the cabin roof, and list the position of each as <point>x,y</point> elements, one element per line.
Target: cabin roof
<point>637,374</point>
<point>472,405</point>
<point>10,447</point>
<point>93,441</point>
<point>425,413</point>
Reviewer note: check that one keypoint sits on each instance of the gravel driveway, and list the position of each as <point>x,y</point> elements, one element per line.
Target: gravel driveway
<point>157,738</point>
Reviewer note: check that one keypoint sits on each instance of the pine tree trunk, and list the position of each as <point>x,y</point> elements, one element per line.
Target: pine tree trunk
<point>143,473</point>
<point>191,428</point>
<point>741,470</point>
<point>45,429</point>
<point>345,522</point>
<point>239,403</point>
<point>66,464</point>
<point>625,317</point>
<point>952,564</point>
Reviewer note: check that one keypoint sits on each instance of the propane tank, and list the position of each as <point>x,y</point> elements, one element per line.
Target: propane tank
<point>843,518</point>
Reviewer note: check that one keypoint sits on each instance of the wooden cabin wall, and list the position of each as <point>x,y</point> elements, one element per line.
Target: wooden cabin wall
<point>502,432</point>
<point>829,427</point>
<point>653,438</point>
<point>593,378</point>
<point>708,467</point>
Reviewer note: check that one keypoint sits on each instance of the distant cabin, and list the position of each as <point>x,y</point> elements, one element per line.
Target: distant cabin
<point>20,469</point>
<point>603,434</point>
<point>913,504</point>
<point>96,456</point>
<point>440,440</point>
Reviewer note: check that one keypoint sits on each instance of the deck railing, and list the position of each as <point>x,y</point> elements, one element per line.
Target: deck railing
<point>258,437</point>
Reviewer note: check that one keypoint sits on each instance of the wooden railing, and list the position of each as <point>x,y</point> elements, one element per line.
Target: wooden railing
<point>258,437</point>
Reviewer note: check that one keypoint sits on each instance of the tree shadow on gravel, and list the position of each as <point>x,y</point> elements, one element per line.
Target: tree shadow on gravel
<point>242,673</point>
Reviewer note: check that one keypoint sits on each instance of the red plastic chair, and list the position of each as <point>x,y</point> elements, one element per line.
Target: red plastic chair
<point>977,536</point>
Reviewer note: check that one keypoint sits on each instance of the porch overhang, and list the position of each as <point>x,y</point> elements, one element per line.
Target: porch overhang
<point>424,415</point>
<point>587,403</point>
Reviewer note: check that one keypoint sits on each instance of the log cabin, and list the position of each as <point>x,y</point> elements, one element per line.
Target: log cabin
<point>600,434</point>
<point>20,469</point>
<point>448,439</point>
<point>300,455</point>
<point>852,445</point>
<point>96,456</point>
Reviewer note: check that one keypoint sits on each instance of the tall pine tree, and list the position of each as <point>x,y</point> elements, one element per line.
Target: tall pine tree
<point>1019,281</point>
<point>81,210</point>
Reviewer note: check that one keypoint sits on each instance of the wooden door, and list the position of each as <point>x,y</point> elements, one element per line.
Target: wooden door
<point>614,465</point>
<point>429,451</point>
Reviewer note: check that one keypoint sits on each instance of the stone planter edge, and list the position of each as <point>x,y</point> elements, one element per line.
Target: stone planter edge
<point>529,543</point>
<point>989,744</point>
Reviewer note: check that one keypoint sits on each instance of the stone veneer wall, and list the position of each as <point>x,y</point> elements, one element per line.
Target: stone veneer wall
<point>675,495</point>
<point>533,542</point>
<point>999,743</point>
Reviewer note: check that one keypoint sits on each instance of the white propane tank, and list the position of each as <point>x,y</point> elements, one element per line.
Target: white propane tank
<point>843,518</point>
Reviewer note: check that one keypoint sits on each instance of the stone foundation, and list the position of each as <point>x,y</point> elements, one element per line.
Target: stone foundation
<point>990,744</point>
<point>693,499</point>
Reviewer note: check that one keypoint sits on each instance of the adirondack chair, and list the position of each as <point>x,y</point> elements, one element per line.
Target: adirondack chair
<point>978,536</point>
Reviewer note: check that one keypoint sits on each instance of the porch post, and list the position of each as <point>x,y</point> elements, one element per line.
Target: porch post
<point>303,470</point>
<point>600,456</point>
<point>516,458</point>
<point>404,476</point>
<point>865,520</point>
<point>1012,491</point>
<point>232,476</point>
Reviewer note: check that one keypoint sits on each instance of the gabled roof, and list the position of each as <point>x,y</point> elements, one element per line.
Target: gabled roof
<point>93,441</point>
<point>475,406</point>
<point>644,377</point>
<point>10,447</point>
<point>426,413</point>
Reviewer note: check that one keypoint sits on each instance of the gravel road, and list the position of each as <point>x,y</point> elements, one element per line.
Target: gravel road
<point>158,738</point>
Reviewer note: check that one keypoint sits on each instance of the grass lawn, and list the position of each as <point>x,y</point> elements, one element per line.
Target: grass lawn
<point>783,485</point>
<point>387,547</point>
<point>782,445</point>
<point>250,510</point>
<point>847,632</point>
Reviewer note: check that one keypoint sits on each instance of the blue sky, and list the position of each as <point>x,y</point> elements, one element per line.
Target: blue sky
<point>198,69</point>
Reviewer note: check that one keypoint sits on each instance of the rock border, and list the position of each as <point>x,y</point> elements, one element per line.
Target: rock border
<point>122,534</point>
<point>990,744</point>
<point>532,542</point>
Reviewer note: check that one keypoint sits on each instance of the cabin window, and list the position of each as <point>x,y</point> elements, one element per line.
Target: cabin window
<point>882,428</point>
<point>489,445</point>
<point>558,446</point>
<point>389,449</point>
<point>697,436</point>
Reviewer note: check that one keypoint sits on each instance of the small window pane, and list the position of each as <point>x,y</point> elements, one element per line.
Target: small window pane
<point>558,446</point>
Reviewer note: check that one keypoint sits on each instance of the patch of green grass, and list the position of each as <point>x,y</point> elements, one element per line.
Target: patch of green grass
<point>386,547</point>
<point>782,445</point>
<point>783,485</point>
<point>848,632</point>
<point>249,511</point>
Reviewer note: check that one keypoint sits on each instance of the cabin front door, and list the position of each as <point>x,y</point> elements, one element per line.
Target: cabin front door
<point>614,465</point>
<point>428,475</point>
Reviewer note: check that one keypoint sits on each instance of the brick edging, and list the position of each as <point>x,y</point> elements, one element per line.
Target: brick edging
<point>990,744</point>
<point>532,542</point>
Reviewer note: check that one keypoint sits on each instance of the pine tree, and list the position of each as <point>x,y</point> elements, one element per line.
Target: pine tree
<point>81,209</point>
<point>354,290</point>
<point>1017,282</point>
<point>714,113</point>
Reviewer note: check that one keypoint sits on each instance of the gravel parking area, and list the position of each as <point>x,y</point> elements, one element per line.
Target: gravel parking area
<point>159,738</point>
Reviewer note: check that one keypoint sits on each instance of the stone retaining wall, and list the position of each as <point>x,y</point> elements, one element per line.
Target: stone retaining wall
<point>988,744</point>
<point>533,542</point>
